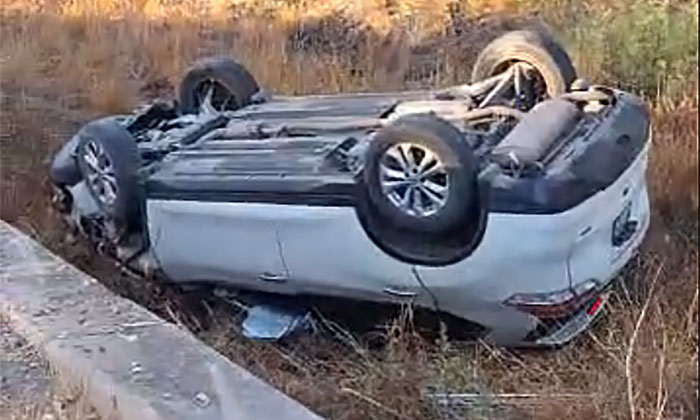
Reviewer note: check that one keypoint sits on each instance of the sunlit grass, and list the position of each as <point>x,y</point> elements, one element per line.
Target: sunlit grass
<point>65,62</point>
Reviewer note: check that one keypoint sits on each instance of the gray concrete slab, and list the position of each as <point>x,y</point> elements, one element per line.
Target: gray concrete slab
<point>132,364</point>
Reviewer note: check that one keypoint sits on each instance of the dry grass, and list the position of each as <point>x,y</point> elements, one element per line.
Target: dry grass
<point>58,403</point>
<point>66,62</point>
<point>31,388</point>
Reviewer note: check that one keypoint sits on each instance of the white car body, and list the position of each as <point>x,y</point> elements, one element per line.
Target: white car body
<point>261,198</point>
<point>296,249</point>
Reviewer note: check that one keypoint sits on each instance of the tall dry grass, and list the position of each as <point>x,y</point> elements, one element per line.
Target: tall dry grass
<point>64,62</point>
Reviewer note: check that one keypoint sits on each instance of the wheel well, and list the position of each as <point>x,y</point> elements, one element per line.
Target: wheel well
<point>421,248</point>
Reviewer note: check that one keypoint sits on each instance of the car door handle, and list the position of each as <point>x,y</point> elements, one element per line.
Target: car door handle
<point>272,278</point>
<point>399,293</point>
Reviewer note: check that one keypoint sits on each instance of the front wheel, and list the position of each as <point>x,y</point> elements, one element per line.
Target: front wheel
<point>216,84</point>
<point>537,65</point>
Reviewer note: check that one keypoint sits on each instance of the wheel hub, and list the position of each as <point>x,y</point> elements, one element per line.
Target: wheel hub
<point>214,98</point>
<point>521,85</point>
<point>414,179</point>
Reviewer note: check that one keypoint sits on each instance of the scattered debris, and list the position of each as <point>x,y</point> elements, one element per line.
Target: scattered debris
<point>476,398</point>
<point>268,322</point>
<point>28,389</point>
<point>201,399</point>
<point>135,368</point>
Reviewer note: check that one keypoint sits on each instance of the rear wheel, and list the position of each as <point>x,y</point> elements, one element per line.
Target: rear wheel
<point>420,174</point>
<point>537,66</point>
<point>216,84</point>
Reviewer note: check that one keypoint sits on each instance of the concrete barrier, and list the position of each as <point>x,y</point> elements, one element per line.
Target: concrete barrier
<point>132,364</point>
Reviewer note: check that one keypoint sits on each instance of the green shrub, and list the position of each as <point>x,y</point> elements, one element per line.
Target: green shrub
<point>642,46</point>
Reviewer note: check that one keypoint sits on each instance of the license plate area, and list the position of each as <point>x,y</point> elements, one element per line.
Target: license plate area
<point>623,227</point>
<point>578,322</point>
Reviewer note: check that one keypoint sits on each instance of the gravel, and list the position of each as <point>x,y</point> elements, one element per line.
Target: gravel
<point>28,390</point>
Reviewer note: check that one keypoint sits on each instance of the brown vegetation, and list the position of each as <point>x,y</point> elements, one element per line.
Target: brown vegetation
<point>65,62</point>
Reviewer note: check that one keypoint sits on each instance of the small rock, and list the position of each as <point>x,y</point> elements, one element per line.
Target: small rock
<point>101,349</point>
<point>167,395</point>
<point>135,368</point>
<point>82,320</point>
<point>201,399</point>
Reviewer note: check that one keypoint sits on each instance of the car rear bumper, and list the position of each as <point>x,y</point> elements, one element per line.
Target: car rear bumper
<point>566,330</point>
<point>534,259</point>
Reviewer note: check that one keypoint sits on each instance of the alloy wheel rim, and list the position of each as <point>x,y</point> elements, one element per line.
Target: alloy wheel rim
<point>100,173</point>
<point>213,98</point>
<point>522,85</point>
<point>414,179</point>
<point>528,87</point>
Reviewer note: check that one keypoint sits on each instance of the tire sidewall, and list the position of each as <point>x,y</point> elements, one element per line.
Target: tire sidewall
<point>533,47</point>
<point>454,154</point>
<point>227,72</point>
<point>121,149</point>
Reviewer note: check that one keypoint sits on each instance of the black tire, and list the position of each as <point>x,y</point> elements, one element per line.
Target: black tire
<point>228,75</point>
<point>63,170</point>
<point>447,144</point>
<point>120,149</point>
<point>536,48</point>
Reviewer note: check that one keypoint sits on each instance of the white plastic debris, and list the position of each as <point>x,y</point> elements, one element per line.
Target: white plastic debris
<point>201,399</point>
<point>265,322</point>
<point>135,368</point>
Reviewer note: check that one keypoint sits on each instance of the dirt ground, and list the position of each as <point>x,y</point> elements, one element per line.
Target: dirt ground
<point>28,389</point>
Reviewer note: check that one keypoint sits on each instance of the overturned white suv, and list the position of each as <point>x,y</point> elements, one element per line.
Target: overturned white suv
<point>511,202</point>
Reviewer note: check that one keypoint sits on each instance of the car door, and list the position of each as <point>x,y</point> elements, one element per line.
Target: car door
<point>327,252</point>
<point>225,242</point>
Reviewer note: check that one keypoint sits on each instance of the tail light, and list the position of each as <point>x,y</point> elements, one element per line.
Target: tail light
<point>555,304</point>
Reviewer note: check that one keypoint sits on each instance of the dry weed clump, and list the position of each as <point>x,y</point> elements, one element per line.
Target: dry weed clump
<point>65,62</point>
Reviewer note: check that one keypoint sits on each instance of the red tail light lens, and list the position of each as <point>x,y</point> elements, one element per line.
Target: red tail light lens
<point>595,306</point>
<point>555,304</point>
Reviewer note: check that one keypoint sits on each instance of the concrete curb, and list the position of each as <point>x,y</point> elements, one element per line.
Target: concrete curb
<point>132,364</point>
